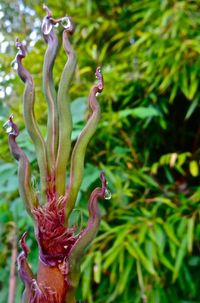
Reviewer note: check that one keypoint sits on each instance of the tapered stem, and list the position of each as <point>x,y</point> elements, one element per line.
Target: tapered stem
<point>26,191</point>
<point>49,89</point>
<point>64,113</point>
<point>78,154</point>
<point>30,121</point>
<point>89,233</point>
<point>50,93</point>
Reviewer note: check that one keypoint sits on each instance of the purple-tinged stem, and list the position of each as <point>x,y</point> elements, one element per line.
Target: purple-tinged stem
<point>78,154</point>
<point>25,271</point>
<point>26,191</point>
<point>50,92</point>
<point>29,116</point>
<point>89,233</point>
<point>64,113</point>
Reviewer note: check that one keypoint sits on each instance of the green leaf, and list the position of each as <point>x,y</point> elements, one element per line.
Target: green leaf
<point>192,107</point>
<point>97,267</point>
<point>194,82</point>
<point>139,112</point>
<point>124,277</point>
<point>180,256</point>
<point>92,173</point>
<point>134,249</point>
<point>78,109</point>
<point>86,269</point>
<point>190,233</point>
<point>170,232</point>
<point>111,256</point>
<point>166,262</point>
<point>194,168</point>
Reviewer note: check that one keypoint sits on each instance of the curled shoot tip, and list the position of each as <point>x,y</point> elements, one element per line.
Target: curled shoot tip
<point>49,13</point>
<point>18,44</point>
<point>46,25</point>
<point>21,53</point>
<point>99,76</point>
<point>23,244</point>
<point>48,22</point>
<point>105,191</point>
<point>104,182</point>
<point>68,24</point>
<point>10,127</point>
<point>20,47</point>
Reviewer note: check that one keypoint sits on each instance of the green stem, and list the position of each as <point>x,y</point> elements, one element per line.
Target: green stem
<point>30,121</point>
<point>78,154</point>
<point>50,94</point>
<point>89,233</point>
<point>65,119</point>
<point>26,191</point>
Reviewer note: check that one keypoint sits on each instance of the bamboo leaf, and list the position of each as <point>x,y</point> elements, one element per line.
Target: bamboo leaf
<point>135,250</point>
<point>194,168</point>
<point>125,276</point>
<point>190,233</point>
<point>179,259</point>
<point>170,232</point>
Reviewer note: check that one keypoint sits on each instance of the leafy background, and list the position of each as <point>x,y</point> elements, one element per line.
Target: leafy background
<point>148,143</point>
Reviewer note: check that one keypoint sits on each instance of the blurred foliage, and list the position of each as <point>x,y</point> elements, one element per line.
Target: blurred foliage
<point>148,142</point>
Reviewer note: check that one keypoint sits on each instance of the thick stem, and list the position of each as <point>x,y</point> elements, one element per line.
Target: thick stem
<point>65,119</point>
<point>50,94</point>
<point>78,154</point>
<point>30,121</point>
<point>26,191</point>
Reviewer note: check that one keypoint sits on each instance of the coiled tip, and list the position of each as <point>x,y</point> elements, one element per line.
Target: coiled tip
<point>99,76</point>
<point>10,127</point>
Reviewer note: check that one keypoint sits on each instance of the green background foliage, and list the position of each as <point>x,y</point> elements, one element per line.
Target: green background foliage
<point>148,143</point>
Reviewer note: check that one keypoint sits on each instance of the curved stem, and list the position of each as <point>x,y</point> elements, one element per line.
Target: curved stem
<point>30,121</point>
<point>78,154</point>
<point>50,94</point>
<point>24,171</point>
<point>65,119</point>
<point>89,233</point>
<point>24,269</point>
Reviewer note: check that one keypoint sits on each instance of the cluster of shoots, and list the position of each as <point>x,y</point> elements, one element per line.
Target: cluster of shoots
<point>60,246</point>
